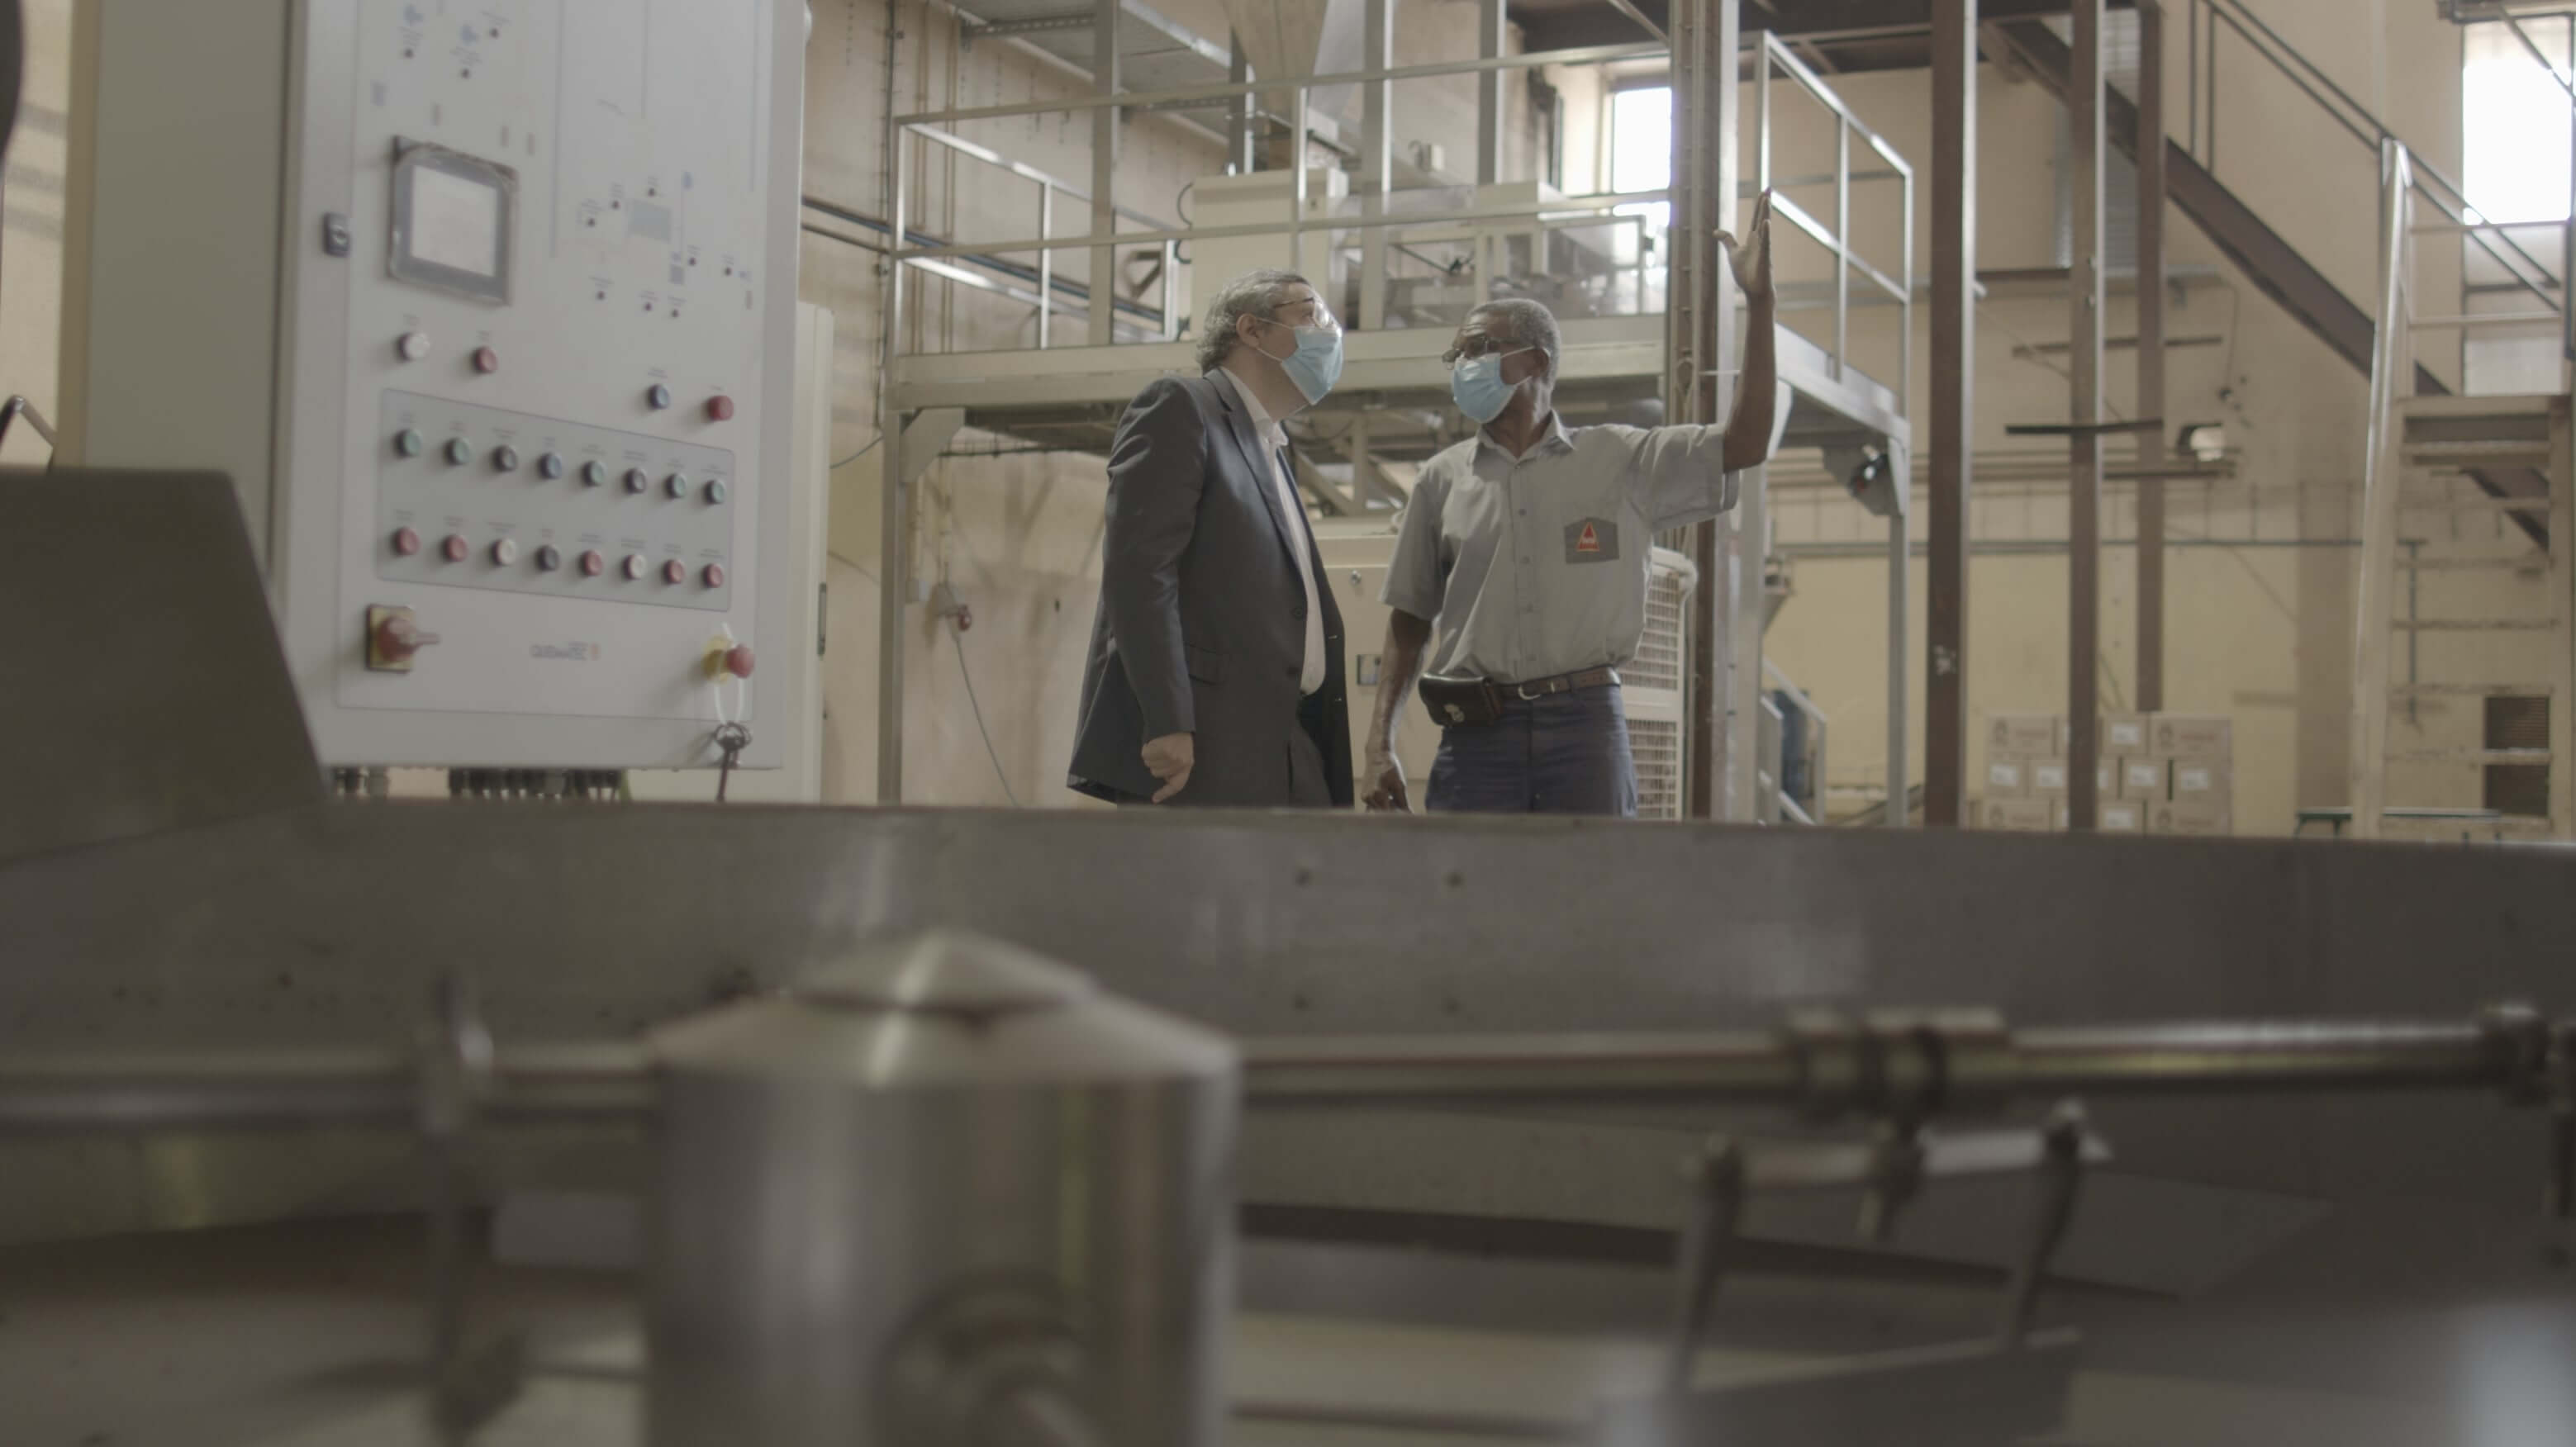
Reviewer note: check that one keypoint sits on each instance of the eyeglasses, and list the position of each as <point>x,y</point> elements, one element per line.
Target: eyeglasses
<point>1482,346</point>
<point>1305,314</point>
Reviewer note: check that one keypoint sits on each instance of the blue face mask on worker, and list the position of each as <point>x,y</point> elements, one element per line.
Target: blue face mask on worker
<point>1317,363</point>
<point>1477,385</point>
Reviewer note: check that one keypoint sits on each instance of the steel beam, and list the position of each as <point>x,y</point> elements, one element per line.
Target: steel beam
<point>1104,170</point>
<point>1377,166</point>
<point>1953,432</point>
<point>894,551</point>
<point>1490,28</point>
<point>1240,108</point>
<point>1705,177</point>
<point>2084,106</point>
<point>2150,153</point>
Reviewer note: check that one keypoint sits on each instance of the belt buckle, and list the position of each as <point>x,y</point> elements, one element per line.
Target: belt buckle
<point>1523,690</point>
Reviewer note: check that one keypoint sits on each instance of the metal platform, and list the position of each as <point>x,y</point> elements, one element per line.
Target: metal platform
<point>1613,366</point>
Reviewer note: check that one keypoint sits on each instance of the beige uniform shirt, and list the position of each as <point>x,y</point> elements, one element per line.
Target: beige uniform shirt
<point>1536,565</point>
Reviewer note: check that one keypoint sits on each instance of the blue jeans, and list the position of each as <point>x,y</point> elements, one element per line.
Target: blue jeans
<point>1563,754</point>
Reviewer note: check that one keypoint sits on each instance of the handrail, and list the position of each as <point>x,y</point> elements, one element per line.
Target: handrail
<point>2367,128</point>
<point>2392,379</point>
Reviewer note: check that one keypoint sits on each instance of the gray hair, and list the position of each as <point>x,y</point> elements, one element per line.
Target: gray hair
<point>1529,324</point>
<point>1256,293</point>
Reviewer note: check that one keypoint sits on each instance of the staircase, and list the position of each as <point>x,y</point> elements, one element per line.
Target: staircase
<point>2515,449</point>
<point>2275,266</point>
<point>2416,436</point>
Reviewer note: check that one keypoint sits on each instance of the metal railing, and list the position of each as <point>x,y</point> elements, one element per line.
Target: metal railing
<point>1483,230</point>
<point>1772,57</point>
<point>1043,300</point>
<point>2211,18</point>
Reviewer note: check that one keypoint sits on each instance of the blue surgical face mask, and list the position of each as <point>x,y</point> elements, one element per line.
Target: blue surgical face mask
<point>1477,385</point>
<point>1317,363</point>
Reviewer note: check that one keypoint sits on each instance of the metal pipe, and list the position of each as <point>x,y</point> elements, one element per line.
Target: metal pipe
<point>1755,1068</point>
<point>1952,457</point>
<point>2191,1059</point>
<point>1582,55</point>
<point>894,553</point>
<point>2087,112</point>
<point>1104,172</point>
<point>2150,224</point>
<point>307,1089</point>
<point>613,1084</point>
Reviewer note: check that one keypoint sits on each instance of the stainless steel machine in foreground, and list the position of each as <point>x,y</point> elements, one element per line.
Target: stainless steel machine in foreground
<point>944,1193</point>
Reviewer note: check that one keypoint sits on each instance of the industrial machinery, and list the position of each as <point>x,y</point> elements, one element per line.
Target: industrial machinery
<point>488,313</point>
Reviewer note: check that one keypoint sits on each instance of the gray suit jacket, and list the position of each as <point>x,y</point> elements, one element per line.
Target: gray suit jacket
<point>1202,621</point>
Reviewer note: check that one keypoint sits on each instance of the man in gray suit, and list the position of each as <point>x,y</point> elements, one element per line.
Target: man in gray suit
<point>1215,673</point>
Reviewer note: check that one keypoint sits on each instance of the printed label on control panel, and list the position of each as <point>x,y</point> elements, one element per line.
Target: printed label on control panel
<point>476,497</point>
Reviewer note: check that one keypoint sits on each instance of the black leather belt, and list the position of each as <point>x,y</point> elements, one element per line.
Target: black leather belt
<point>1458,702</point>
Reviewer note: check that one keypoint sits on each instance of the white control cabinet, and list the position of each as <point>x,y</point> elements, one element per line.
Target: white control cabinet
<point>487,306</point>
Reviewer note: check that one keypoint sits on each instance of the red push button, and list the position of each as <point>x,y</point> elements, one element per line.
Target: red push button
<point>486,360</point>
<point>454,549</point>
<point>675,571</point>
<point>592,564</point>
<point>406,542</point>
<point>720,408</point>
<point>397,638</point>
<point>713,573</point>
<point>738,660</point>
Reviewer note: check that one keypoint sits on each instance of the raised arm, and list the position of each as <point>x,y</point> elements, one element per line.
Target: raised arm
<point>1157,468</point>
<point>1748,426</point>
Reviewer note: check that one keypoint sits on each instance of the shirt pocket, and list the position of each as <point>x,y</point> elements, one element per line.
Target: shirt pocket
<point>1207,665</point>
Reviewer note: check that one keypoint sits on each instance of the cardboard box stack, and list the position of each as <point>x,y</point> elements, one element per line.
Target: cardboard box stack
<point>2164,773</point>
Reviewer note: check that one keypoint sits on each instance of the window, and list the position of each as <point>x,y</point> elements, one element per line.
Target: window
<point>2514,121</point>
<point>1641,146</point>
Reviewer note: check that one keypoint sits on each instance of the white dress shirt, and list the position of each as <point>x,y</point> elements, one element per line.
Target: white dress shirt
<point>1274,442</point>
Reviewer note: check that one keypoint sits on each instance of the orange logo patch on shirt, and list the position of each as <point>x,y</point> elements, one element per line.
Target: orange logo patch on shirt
<point>1592,540</point>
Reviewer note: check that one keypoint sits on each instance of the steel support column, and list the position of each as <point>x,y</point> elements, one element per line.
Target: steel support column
<point>2085,110</point>
<point>894,553</point>
<point>1239,110</point>
<point>1104,171</point>
<point>1490,26</point>
<point>1705,176</point>
<point>1377,166</point>
<point>2151,353</point>
<point>1953,440</point>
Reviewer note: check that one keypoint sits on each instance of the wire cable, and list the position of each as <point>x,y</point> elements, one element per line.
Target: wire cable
<point>959,639</point>
<point>855,456</point>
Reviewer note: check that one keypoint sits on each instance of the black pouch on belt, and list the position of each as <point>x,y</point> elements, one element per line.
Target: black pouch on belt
<point>1456,702</point>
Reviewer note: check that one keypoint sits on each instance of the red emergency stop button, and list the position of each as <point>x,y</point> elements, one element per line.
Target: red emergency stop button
<point>720,408</point>
<point>738,660</point>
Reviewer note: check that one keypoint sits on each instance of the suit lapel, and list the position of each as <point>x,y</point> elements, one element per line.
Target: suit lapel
<point>1256,457</point>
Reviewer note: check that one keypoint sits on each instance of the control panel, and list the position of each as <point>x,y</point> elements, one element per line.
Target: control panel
<point>512,414</point>
<point>476,497</point>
